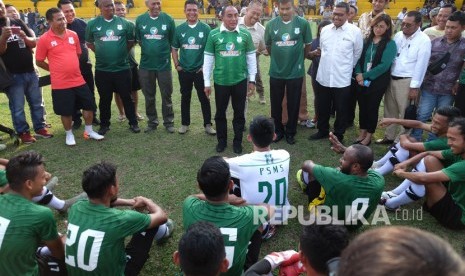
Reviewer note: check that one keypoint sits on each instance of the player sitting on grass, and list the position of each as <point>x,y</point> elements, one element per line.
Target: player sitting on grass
<point>263,175</point>
<point>23,224</point>
<point>201,251</point>
<point>320,247</point>
<point>96,231</point>
<point>238,224</point>
<point>352,185</point>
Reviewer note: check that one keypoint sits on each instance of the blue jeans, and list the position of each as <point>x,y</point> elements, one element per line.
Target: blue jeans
<point>428,102</point>
<point>26,85</point>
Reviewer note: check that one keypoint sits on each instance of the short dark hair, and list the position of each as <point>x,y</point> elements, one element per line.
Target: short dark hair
<point>190,2</point>
<point>363,156</point>
<point>451,112</point>
<point>97,179</point>
<point>285,2</point>
<point>416,15</point>
<point>23,167</point>
<point>213,178</point>
<point>262,131</point>
<point>453,7</point>
<point>117,2</point>
<point>321,243</point>
<point>64,2</point>
<point>460,123</point>
<point>201,250</point>
<point>354,7</point>
<point>343,5</point>
<point>8,5</point>
<point>50,12</point>
<point>457,16</point>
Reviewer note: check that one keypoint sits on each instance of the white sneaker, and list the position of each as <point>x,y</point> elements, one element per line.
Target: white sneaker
<point>94,135</point>
<point>376,165</point>
<point>70,140</point>
<point>183,129</point>
<point>387,195</point>
<point>210,130</point>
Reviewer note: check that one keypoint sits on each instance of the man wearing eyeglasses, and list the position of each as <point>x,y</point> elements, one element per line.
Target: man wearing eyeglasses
<point>407,72</point>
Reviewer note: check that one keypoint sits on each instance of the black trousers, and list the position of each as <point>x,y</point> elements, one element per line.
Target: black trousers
<point>137,251</point>
<point>369,99</point>
<point>237,93</point>
<point>338,97</point>
<point>460,99</point>
<point>187,81</point>
<point>293,87</point>
<point>352,102</point>
<point>89,79</point>
<point>118,82</point>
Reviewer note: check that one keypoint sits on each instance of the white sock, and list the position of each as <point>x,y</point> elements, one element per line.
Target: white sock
<point>88,128</point>
<point>305,175</point>
<point>386,157</point>
<point>402,187</point>
<point>162,232</point>
<point>56,203</point>
<point>401,155</point>
<point>53,201</point>
<point>69,132</point>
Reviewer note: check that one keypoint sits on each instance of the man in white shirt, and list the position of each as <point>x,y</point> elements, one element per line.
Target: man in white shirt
<point>441,19</point>
<point>400,17</point>
<point>407,72</point>
<point>251,22</point>
<point>364,22</point>
<point>341,45</point>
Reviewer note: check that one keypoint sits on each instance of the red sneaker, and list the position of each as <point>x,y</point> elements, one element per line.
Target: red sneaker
<point>27,138</point>
<point>43,133</point>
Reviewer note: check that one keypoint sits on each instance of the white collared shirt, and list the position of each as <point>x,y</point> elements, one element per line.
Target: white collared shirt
<point>412,57</point>
<point>224,29</point>
<point>258,34</point>
<point>340,50</point>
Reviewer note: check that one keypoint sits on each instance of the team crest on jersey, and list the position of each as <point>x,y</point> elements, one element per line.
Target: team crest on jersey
<point>297,30</point>
<point>144,26</point>
<point>119,27</point>
<point>71,40</point>
<point>163,27</point>
<point>191,40</point>
<point>200,34</point>
<point>239,39</point>
<point>285,37</point>
<point>53,43</point>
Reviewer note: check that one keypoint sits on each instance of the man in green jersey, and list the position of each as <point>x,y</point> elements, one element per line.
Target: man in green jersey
<point>287,39</point>
<point>444,178</point>
<point>110,37</point>
<point>231,51</point>
<point>96,231</point>
<point>237,224</point>
<point>155,33</point>
<point>190,40</point>
<point>23,224</point>
<point>352,190</point>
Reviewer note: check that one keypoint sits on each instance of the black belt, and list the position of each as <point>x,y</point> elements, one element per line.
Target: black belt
<point>398,78</point>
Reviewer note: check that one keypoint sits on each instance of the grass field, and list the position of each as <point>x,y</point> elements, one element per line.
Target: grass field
<point>163,167</point>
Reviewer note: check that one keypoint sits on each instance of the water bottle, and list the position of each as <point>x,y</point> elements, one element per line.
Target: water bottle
<point>21,43</point>
<point>366,83</point>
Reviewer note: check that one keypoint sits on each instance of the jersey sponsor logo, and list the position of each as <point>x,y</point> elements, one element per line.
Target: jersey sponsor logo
<point>200,34</point>
<point>239,39</point>
<point>98,28</point>
<point>275,31</point>
<point>183,34</point>
<point>110,36</point>
<point>71,40</point>
<point>153,34</point>
<point>191,44</point>
<point>54,43</point>
<point>230,52</point>
<point>163,27</point>
<point>297,30</point>
<point>286,41</point>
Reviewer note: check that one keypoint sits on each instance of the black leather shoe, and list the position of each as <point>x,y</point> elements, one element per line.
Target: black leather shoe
<point>384,141</point>
<point>318,136</point>
<point>220,147</point>
<point>103,130</point>
<point>134,128</point>
<point>279,137</point>
<point>237,149</point>
<point>290,140</point>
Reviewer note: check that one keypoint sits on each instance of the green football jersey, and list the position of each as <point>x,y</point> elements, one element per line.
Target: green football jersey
<point>287,43</point>
<point>436,144</point>
<point>456,173</point>
<point>191,44</point>
<point>346,191</point>
<point>3,180</point>
<point>95,238</point>
<point>236,225</point>
<point>155,36</point>
<point>23,225</point>
<point>230,50</point>
<point>110,40</point>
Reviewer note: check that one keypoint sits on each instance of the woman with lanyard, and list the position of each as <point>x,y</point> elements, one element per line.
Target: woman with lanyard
<point>373,75</point>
